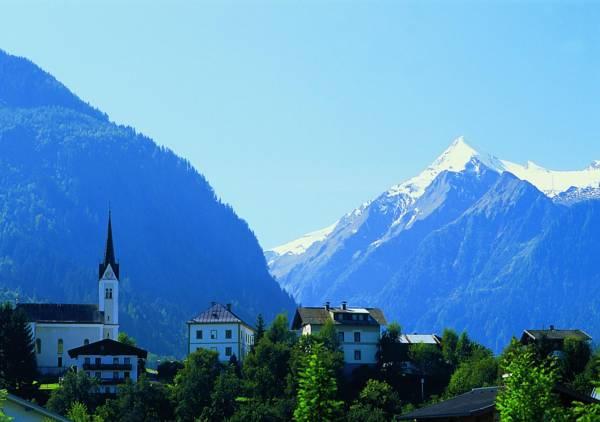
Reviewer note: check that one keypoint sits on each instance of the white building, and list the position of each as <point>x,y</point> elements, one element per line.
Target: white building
<point>58,327</point>
<point>110,361</point>
<point>358,329</point>
<point>222,331</point>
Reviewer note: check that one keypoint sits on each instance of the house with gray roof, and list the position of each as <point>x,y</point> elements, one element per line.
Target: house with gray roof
<point>553,339</point>
<point>219,329</point>
<point>358,329</point>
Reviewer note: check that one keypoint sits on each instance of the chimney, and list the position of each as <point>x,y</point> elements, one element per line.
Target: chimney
<point>326,306</point>
<point>344,305</point>
<point>228,306</point>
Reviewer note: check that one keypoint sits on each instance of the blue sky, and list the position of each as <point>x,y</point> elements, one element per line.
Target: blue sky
<point>298,111</point>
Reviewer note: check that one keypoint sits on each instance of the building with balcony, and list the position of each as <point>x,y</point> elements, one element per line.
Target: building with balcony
<point>220,330</point>
<point>358,329</point>
<point>109,361</point>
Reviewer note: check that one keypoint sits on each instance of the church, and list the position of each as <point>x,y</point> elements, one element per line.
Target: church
<point>58,328</point>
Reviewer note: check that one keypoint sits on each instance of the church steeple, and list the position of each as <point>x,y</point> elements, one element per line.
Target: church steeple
<point>109,253</point>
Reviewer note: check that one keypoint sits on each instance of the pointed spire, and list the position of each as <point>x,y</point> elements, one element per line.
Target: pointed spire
<point>109,251</point>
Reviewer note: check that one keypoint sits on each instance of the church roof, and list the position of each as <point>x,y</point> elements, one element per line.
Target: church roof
<point>62,312</point>
<point>108,347</point>
<point>216,314</point>
<point>109,252</point>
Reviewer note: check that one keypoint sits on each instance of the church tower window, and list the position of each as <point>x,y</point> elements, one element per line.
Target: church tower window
<point>60,346</point>
<point>38,345</point>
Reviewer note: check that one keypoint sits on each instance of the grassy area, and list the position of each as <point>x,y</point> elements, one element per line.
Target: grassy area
<point>151,371</point>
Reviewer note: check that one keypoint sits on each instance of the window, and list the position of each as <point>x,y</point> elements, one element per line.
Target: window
<point>38,345</point>
<point>199,335</point>
<point>341,336</point>
<point>86,361</point>
<point>126,375</point>
<point>60,346</point>
<point>97,361</point>
<point>357,355</point>
<point>108,293</point>
<point>357,336</point>
<point>127,361</point>
<point>115,375</point>
<point>97,375</point>
<point>228,351</point>
<point>86,341</point>
<point>115,361</point>
<point>354,317</point>
<point>60,361</point>
<point>227,333</point>
<point>213,334</point>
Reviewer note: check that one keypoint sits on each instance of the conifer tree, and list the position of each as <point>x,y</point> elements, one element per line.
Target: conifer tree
<point>260,329</point>
<point>318,389</point>
<point>18,367</point>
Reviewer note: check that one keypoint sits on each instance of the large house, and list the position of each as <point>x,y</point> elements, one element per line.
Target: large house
<point>358,329</point>
<point>222,331</point>
<point>58,327</point>
<point>553,339</point>
<point>109,361</point>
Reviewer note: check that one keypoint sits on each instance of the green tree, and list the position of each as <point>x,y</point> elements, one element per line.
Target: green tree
<point>576,355</point>
<point>480,370</point>
<point>227,389</point>
<point>194,384</point>
<point>317,389</point>
<point>328,336</point>
<point>260,328</point>
<point>76,387</point>
<point>449,346</point>
<point>18,367</point>
<point>279,331</point>
<point>265,370</point>
<point>140,401</point>
<point>527,394</point>
<point>3,417</point>
<point>126,339</point>
<point>377,402</point>
<point>464,347</point>
<point>78,412</point>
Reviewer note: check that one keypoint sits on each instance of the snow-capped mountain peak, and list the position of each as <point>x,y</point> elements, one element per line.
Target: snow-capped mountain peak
<point>455,159</point>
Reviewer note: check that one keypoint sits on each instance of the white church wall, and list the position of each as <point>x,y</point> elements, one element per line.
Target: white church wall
<point>73,335</point>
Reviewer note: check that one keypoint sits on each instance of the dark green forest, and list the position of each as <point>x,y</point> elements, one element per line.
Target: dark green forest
<point>62,163</point>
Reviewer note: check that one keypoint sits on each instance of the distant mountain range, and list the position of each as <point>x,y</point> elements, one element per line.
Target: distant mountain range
<point>473,243</point>
<point>61,163</point>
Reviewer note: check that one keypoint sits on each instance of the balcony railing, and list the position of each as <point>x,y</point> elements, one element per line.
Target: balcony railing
<point>112,381</point>
<point>107,366</point>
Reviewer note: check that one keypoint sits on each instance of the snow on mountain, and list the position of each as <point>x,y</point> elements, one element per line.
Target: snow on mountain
<point>300,245</point>
<point>456,158</point>
<point>553,182</point>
